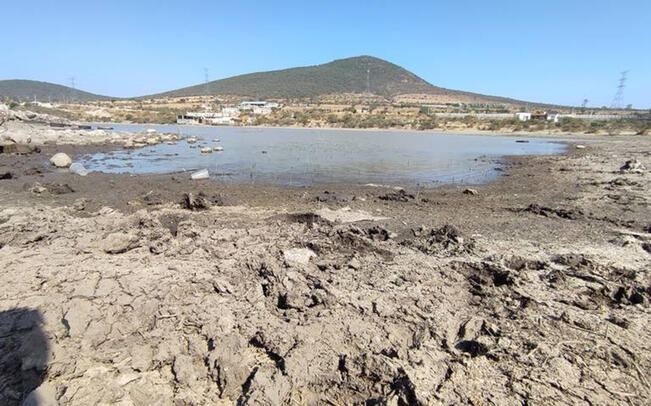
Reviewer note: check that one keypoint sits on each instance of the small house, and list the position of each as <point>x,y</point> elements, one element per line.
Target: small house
<point>523,116</point>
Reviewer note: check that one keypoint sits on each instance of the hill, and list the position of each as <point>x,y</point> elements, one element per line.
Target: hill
<point>43,91</point>
<point>352,75</point>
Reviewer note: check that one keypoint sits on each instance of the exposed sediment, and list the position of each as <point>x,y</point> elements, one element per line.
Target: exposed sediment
<point>158,290</point>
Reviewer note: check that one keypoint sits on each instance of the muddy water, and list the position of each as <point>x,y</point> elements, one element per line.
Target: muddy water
<point>310,156</point>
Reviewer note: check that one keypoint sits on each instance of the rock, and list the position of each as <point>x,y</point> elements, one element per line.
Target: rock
<point>632,166</point>
<point>195,202</point>
<point>579,146</point>
<point>206,150</point>
<point>79,169</point>
<point>61,160</point>
<point>192,140</point>
<point>119,242</point>
<point>470,192</point>
<point>300,256</point>
<point>5,175</point>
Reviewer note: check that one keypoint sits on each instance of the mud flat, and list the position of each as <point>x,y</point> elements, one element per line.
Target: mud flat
<point>151,289</point>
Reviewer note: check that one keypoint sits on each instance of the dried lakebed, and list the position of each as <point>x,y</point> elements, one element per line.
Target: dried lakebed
<point>310,156</point>
<point>151,289</point>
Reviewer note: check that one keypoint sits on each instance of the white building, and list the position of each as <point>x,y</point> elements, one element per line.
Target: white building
<point>204,118</point>
<point>523,116</point>
<point>247,105</point>
<point>555,117</point>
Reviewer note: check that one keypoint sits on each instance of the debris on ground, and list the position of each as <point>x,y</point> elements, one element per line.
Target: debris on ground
<point>192,201</point>
<point>570,214</point>
<point>397,196</point>
<point>202,174</point>
<point>632,166</point>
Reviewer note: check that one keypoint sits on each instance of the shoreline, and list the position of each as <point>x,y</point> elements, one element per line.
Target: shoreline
<point>534,134</point>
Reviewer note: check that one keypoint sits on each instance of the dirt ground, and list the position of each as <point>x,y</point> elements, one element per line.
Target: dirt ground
<point>140,290</point>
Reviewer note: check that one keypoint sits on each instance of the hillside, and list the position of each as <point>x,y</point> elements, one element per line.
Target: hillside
<point>352,75</point>
<point>43,91</point>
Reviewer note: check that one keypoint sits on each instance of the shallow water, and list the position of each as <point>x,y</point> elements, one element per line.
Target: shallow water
<point>309,156</point>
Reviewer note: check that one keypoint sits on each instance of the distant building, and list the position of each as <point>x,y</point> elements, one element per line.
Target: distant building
<point>204,118</point>
<point>248,105</point>
<point>554,116</point>
<point>523,116</point>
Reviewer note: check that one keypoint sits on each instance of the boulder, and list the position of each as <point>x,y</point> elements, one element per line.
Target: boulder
<point>61,160</point>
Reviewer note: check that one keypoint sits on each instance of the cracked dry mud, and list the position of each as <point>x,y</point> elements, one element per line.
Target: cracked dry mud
<point>534,290</point>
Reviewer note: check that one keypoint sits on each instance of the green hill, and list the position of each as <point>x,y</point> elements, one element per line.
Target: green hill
<point>43,91</point>
<point>351,75</point>
<point>340,76</point>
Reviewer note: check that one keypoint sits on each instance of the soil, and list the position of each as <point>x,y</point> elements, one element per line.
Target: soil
<point>155,289</point>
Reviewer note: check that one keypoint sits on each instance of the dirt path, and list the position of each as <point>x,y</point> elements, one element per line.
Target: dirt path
<point>535,290</point>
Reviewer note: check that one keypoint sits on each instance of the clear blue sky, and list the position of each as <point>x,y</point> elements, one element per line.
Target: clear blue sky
<point>548,51</point>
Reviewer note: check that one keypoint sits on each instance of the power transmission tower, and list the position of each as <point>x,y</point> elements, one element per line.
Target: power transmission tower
<point>206,80</point>
<point>72,87</point>
<point>368,80</point>
<point>619,95</point>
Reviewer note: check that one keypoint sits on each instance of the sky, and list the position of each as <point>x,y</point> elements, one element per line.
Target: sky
<point>545,51</point>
